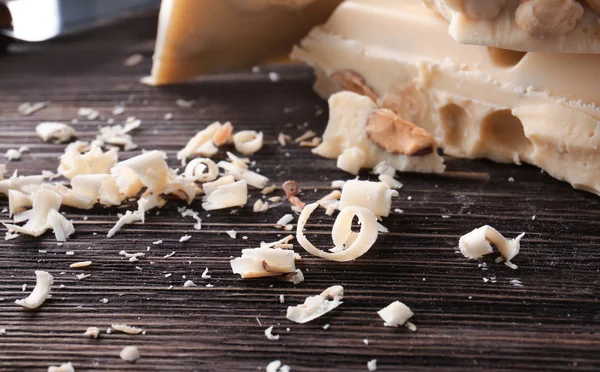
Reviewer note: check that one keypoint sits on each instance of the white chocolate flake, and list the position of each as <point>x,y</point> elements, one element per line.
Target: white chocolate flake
<point>316,306</point>
<point>40,292</point>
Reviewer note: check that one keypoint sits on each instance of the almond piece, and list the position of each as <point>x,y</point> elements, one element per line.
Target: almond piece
<point>397,135</point>
<point>354,82</point>
<point>544,18</point>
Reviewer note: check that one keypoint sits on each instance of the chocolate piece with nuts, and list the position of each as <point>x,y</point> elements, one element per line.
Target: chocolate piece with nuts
<point>397,135</point>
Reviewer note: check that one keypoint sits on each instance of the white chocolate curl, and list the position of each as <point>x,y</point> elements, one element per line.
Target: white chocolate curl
<point>348,244</point>
<point>195,170</point>
<point>477,243</point>
<point>40,293</point>
<point>248,142</point>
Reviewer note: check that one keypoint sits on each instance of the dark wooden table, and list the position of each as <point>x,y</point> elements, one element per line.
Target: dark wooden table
<point>469,318</point>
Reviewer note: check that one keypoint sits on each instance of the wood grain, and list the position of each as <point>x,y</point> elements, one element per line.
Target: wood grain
<point>550,323</point>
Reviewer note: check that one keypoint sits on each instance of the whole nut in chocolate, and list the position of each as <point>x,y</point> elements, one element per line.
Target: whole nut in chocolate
<point>354,82</point>
<point>543,18</point>
<point>397,135</point>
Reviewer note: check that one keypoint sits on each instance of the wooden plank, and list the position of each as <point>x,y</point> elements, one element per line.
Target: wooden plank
<point>549,323</point>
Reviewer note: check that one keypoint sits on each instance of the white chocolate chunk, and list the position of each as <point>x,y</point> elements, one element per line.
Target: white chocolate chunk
<point>372,365</point>
<point>476,243</point>
<point>346,139</point>
<point>395,314</point>
<point>477,102</point>
<point>130,354</point>
<point>264,261</point>
<point>59,132</point>
<point>287,218</point>
<point>375,196</point>
<point>316,306</point>
<point>92,332</point>
<point>41,291</point>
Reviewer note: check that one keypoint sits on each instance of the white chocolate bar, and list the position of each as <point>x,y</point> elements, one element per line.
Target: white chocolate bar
<point>539,108</point>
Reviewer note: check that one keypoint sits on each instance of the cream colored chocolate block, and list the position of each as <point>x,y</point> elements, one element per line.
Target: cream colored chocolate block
<point>202,36</point>
<point>554,26</point>
<point>347,140</point>
<point>478,103</point>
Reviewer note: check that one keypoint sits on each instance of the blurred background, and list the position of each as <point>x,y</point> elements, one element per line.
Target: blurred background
<point>40,33</point>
